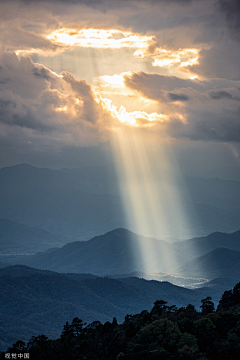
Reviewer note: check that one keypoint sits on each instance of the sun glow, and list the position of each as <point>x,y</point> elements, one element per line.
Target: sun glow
<point>117,39</point>
<point>182,58</point>
<point>64,108</point>
<point>97,38</point>
<point>114,80</point>
<point>133,118</point>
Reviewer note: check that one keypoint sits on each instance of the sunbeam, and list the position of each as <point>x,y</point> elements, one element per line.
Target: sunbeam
<point>151,192</point>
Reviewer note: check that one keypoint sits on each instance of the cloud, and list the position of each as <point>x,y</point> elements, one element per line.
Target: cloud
<point>231,10</point>
<point>152,85</point>
<point>228,94</point>
<point>171,32</point>
<point>181,37</point>
<point>43,108</point>
<point>191,107</point>
<point>178,97</point>
<point>219,61</point>
<point>220,95</point>
<point>47,110</point>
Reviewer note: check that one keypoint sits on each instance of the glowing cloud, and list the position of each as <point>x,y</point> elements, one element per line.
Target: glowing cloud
<point>133,118</point>
<point>183,57</point>
<point>117,39</point>
<point>97,38</point>
<point>116,81</point>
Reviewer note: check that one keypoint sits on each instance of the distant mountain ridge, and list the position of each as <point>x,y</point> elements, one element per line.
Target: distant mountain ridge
<point>220,262</point>
<point>18,238</point>
<point>119,252</point>
<point>116,252</point>
<point>63,202</point>
<point>82,203</point>
<point>203,245</point>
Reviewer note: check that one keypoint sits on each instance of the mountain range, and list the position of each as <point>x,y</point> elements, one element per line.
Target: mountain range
<point>19,239</point>
<point>121,253</point>
<point>85,202</point>
<point>34,301</point>
<point>221,262</point>
<point>201,246</point>
<point>57,201</point>
<point>46,220</point>
<point>116,252</point>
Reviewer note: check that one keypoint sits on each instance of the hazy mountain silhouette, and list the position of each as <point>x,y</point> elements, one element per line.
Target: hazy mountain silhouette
<point>119,252</point>
<point>19,238</point>
<point>64,202</point>
<point>203,245</point>
<point>116,252</point>
<point>220,262</point>
<point>82,203</point>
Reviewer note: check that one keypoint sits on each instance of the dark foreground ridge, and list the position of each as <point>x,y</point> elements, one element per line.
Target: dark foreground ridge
<point>164,333</point>
<point>34,301</point>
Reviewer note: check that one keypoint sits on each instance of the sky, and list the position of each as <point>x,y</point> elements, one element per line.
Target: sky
<point>78,78</point>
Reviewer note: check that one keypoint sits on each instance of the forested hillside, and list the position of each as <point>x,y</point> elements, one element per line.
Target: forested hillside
<point>166,332</point>
<point>36,301</point>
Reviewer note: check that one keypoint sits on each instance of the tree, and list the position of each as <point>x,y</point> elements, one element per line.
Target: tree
<point>39,341</point>
<point>205,332</point>
<point>77,326</point>
<point>230,298</point>
<point>159,307</point>
<point>236,294</point>
<point>207,305</point>
<point>130,330</point>
<point>114,322</point>
<point>233,346</point>
<point>38,347</point>
<point>19,346</point>
<point>94,325</point>
<point>67,331</point>
<point>226,300</point>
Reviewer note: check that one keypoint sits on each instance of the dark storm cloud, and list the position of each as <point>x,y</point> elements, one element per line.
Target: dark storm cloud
<point>223,94</point>
<point>220,32</point>
<point>220,95</point>
<point>231,11</point>
<point>178,97</point>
